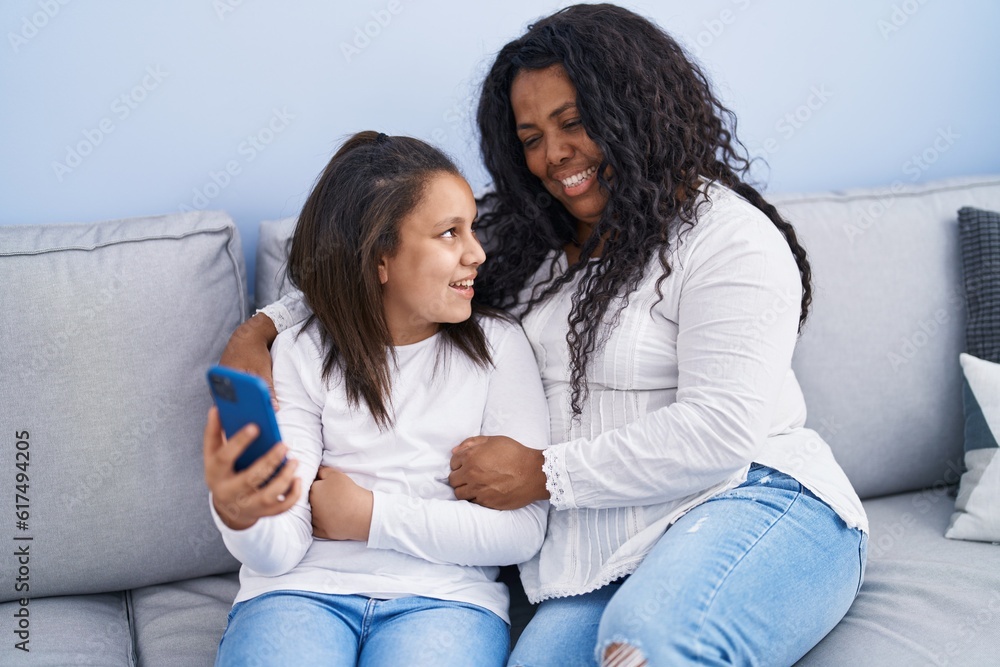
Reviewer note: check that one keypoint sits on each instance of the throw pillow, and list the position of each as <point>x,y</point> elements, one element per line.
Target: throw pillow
<point>977,507</point>
<point>979,232</point>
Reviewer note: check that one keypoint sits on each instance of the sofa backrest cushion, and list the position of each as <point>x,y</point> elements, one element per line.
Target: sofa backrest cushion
<point>107,332</point>
<point>878,358</point>
<point>272,256</point>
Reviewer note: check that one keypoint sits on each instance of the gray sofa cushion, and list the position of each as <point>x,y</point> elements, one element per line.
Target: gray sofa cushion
<point>882,384</point>
<point>272,254</point>
<point>181,624</point>
<point>76,630</point>
<point>108,329</point>
<point>926,600</point>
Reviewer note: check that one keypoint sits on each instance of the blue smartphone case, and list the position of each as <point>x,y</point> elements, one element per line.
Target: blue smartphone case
<point>244,399</point>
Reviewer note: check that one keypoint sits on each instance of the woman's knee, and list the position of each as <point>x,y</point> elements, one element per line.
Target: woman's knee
<point>634,619</point>
<point>638,640</point>
<point>652,623</point>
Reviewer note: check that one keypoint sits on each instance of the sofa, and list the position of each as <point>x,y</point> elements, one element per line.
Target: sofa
<point>111,556</point>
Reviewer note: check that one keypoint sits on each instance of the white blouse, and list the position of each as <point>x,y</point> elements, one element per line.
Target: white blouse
<point>685,393</point>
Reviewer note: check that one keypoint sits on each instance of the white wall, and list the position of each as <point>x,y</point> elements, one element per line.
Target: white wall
<point>113,109</point>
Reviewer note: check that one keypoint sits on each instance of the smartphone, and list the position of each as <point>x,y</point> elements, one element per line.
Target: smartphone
<point>244,399</point>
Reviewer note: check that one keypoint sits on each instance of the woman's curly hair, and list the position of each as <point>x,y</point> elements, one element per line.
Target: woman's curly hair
<point>661,130</point>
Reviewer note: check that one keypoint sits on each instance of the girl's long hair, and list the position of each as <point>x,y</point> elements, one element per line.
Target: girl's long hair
<point>349,222</point>
<point>662,131</point>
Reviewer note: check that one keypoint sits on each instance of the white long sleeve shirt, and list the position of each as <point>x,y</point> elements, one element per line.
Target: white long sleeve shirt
<point>687,391</point>
<point>422,540</point>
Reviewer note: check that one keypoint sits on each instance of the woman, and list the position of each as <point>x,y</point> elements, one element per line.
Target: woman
<point>693,518</point>
<point>386,235</point>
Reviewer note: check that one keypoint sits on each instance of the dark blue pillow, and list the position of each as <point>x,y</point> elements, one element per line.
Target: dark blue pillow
<point>979,232</point>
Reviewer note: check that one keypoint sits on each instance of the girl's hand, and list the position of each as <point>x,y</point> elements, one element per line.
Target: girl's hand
<point>497,472</point>
<point>236,495</point>
<point>341,510</point>
<point>247,350</point>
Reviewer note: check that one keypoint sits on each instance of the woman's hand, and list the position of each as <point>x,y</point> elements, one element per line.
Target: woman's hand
<point>247,350</point>
<point>236,495</point>
<point>341,510</point>
<point>497,472</point>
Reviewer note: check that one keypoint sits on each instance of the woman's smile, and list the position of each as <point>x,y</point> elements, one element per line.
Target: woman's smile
<point>578,183</point>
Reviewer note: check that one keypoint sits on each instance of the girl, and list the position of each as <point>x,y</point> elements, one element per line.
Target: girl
<point>390,372</point>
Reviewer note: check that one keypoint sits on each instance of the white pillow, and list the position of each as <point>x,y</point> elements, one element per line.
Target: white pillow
<point>977,508</point>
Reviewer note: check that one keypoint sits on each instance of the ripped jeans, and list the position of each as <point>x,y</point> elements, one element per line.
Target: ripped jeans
<point>757,575</point>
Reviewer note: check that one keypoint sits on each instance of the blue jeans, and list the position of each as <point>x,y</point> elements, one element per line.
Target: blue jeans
<point>757,575</point>
<point>302,628</point>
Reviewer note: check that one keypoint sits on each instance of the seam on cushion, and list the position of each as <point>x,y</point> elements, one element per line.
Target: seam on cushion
<point>107,244</point>
<point>133,648</point>
<point>878,195</point>
<point>230,230</point>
